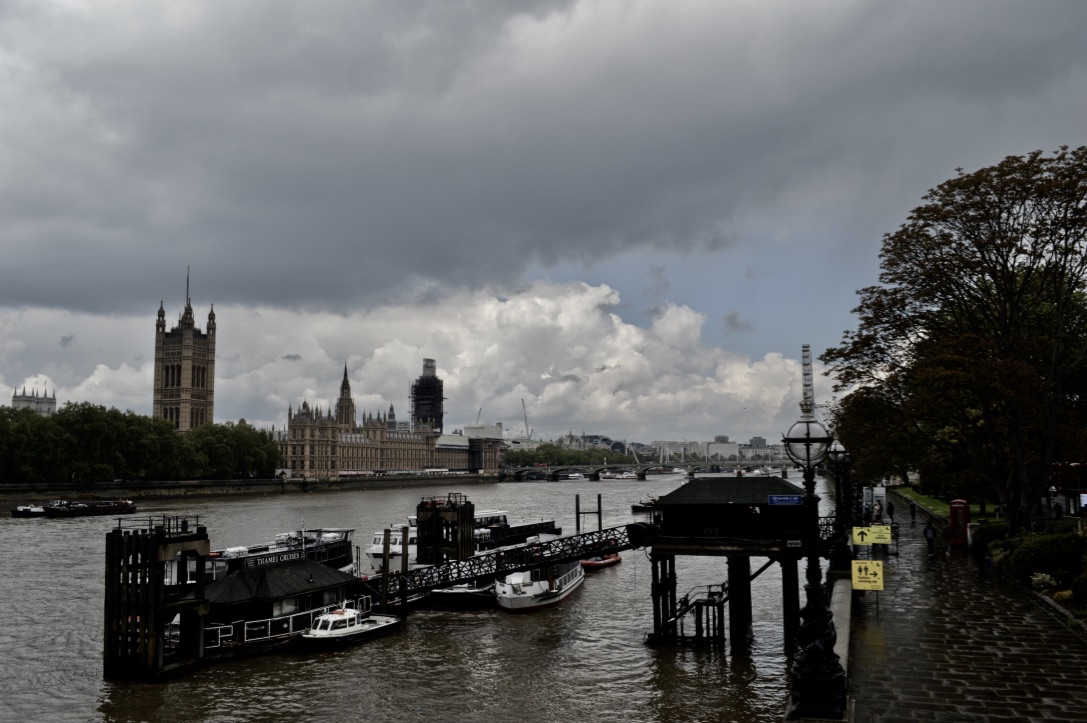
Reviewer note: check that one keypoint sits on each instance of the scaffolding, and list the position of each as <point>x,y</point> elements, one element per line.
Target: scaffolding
<point>426,396</point>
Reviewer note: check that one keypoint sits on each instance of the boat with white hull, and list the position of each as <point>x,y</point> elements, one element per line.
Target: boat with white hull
<point>346,626</point>
<point>493,529</point>
<point>522,592</point>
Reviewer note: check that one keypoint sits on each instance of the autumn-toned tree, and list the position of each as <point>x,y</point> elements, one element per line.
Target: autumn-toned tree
<point>977,330</point>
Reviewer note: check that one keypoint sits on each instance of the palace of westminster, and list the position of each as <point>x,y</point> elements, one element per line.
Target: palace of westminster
<point>320,444</point>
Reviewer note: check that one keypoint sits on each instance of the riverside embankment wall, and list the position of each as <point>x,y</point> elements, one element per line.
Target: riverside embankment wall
<point>210,488</point>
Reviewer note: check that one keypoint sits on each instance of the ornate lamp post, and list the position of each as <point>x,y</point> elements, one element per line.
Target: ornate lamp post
<point>818,681</point>
<point>840,554</point>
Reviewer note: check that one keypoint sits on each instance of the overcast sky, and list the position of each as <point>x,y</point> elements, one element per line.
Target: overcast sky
<point>631,215</point>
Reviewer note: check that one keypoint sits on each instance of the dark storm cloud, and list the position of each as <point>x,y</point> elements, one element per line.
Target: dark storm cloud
<point>340,155</point>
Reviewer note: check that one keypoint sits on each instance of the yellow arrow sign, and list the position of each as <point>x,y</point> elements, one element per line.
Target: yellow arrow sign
<point>867,574</point>
<point>872,535</point>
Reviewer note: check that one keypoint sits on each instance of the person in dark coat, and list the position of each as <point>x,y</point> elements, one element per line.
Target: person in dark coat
<point>891,510</point>
<point>930,538</point>
<point>913,511</point>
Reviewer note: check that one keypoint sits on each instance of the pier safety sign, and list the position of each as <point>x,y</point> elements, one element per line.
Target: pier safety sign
<point>872,535</point>
<point>867,574</point>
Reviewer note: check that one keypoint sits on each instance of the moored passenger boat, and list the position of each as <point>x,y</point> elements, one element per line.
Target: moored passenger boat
<point>28,511</point>
<point>64,508</point>
<point>523,592</point>
<point>493,529</point>
<point>330,546</point>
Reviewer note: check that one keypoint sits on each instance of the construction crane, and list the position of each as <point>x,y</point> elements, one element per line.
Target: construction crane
<point>479,414</point>
<point>528,432</point>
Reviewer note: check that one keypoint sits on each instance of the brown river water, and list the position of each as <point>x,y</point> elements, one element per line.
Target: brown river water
<point>580,661</point>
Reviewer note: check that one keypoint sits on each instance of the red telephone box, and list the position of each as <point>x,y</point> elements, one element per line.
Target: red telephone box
<point>960,518</point>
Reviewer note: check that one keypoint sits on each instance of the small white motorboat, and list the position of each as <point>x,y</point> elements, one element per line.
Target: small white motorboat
<point>345,627</point>
<point>543,587</point>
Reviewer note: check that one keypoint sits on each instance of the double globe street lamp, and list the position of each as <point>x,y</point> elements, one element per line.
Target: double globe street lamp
<point>840,554</point>
<point>818,680</point>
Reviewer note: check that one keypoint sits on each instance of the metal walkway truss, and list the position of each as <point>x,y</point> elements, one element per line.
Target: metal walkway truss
<point>506,560</point>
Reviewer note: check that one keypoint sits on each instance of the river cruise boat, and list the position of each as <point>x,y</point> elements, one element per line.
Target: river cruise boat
<point>64,508</point>
<point>329,546</point>
<point>28,511</point>
<point>267,607</point>
<point>346,626</point>
<point>522,592</point>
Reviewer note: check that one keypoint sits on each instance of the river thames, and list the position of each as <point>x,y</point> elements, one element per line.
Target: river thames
<point>582,660</point>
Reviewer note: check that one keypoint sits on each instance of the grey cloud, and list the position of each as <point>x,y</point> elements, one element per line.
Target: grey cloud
<point>66,340</point>
<point>291,357</point>
<point>337,156</point>
<point>733,323</point>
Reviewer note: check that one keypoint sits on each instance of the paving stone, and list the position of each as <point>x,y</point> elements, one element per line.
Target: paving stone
<point>947,641</point>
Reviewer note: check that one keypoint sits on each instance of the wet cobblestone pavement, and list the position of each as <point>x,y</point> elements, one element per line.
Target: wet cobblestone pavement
<point>950,643</point>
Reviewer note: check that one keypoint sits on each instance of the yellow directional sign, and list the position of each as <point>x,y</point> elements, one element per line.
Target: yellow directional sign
<point>872,535</point>
<point>867,574</point>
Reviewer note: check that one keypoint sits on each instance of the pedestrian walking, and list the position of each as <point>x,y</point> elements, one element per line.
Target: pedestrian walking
<point>867,515</point>
<point>930,538</point>
<point>877,512</point>
<point>891,511</point>
<point>913,511</point>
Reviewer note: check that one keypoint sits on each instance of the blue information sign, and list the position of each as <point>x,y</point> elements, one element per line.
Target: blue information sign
<point>785,499</point>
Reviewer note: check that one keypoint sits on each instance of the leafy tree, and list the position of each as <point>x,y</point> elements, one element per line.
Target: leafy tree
<point>977,334</point>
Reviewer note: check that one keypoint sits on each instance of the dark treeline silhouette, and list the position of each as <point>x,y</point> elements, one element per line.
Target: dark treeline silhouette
<point>89,443</point>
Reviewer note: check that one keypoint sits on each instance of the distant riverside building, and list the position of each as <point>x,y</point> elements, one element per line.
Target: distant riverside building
<point>330,443</point>
<point>43,405</point>
<point>184,370</point>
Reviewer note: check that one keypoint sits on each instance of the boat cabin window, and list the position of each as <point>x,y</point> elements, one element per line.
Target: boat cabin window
<point>339,624</point>
<point>320,624</point>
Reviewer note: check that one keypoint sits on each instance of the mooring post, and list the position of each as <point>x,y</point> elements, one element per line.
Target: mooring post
<point>385,571</point>
<point>790,599</point>
<point>739,597</point>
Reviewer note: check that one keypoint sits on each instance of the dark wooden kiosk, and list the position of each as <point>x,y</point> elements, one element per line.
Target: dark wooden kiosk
<point>732,517</point>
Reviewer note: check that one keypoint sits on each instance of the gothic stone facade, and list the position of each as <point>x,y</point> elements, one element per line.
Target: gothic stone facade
<point>43,404</point>
<point>184,371</point>
<point>329,444</point>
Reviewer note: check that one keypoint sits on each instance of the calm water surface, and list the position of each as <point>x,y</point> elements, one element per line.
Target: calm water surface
<point>583,660</point>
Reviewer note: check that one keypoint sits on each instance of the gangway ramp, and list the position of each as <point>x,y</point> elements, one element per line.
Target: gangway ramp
<point>503,561</point>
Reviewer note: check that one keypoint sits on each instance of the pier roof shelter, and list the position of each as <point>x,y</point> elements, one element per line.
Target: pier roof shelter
<point>276,589</point>
<point>733,517</point>
<point>730,515</point>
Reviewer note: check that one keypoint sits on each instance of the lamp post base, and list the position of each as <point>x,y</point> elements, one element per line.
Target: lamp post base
<point>818,680</point>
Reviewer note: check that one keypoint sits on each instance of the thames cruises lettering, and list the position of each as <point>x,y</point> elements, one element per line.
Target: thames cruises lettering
<point>268,559</point>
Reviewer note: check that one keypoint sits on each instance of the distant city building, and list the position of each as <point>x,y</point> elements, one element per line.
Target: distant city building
<point>184,392</point>
<point>426,399</point>
<point>43,405</point>
<point>592,441</point>
<point>678,451</point>
<point>723,450</point>
<point>757,442</point>
<point>484,431</point>
<point>330,444</point>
